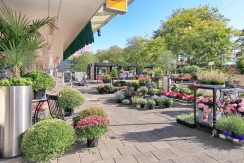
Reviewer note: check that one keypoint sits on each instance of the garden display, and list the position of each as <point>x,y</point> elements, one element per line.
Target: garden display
<point>232,128</point>
<point>126,102</point>
<point>69,99</point>
<point>186,119</point>
<point>213,77</point>
<point>106,78</point>
<point>119,96</point>
<point>151,104</point>
<point>92,128</point>
<point>47,139</point>
<point>107,88</point>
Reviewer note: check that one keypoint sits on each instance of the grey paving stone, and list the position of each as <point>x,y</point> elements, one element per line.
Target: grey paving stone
<point>114,143</point>
<point>90,155</point>
<point>164,154</point>
<point>105,161</point>
<point>145,147</point>
<point>127,150</point>
<point>194,158</point>
<point>126,159</point>
<point>161,144</point>
<point>145,157</point>
<point>110,153</point>
<point>74,158</point>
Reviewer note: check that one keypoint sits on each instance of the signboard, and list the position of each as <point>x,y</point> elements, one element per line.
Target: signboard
<point>116,6</point>
<point>210,63</point>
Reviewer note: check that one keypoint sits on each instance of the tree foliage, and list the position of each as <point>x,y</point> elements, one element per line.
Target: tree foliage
<point>80,63</point>
<point>114,54</point>
<point>198,34</point>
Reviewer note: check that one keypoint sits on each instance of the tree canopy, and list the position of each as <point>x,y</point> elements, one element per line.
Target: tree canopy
<point>198,34</point>
<point>80,63</point>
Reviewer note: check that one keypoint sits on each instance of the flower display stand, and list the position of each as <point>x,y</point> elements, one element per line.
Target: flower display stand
<point>209,121</point>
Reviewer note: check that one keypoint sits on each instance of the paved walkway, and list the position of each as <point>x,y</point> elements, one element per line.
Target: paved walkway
<point>149,136</point>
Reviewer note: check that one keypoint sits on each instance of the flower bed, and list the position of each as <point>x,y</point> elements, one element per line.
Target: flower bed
<point>178,95</point>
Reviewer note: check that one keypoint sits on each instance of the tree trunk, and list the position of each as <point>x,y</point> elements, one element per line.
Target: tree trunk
<point>16,71</point>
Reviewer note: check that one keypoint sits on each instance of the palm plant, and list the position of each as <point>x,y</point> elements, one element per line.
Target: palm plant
<point>20,38</point>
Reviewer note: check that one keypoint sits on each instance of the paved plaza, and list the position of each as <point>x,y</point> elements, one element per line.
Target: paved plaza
<point>148,136</point>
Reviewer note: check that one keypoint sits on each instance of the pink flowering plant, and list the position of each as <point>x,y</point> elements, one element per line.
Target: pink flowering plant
<point>92,127</point>
<point>232,106</point>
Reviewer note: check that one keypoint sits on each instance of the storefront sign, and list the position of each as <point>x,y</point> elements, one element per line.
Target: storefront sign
<point>116,6</point>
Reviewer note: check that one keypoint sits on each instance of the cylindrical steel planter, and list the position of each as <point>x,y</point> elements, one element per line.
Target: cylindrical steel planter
<point>15,118</point>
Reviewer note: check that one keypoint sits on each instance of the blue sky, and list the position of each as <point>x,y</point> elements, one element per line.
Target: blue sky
<point>144,16</point>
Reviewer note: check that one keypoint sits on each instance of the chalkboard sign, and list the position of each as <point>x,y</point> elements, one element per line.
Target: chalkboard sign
<point>67,76</point>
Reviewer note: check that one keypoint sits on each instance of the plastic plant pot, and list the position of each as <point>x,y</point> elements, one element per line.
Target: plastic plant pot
<point>227,133</point>
<point>239,136</point>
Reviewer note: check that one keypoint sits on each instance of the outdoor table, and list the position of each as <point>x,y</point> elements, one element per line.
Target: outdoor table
<point>38,107</point>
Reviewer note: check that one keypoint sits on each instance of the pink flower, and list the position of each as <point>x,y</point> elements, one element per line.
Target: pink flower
<point>241,109</point>
<point>204,99</point>
<point>198,100</point>
<point>200,106</point>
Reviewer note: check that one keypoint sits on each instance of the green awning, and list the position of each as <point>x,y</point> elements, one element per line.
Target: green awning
<point>85,37</point>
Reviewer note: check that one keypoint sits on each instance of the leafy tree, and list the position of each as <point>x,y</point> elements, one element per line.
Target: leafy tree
<point>114,54</point>
<point>240,42</point>
<point>135,51</point>
<point>80,63</point>
<point>199,34</point>
<point>20,38</point>
<point>167,62</point>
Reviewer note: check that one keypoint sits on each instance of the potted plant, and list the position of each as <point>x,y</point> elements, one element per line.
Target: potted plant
<point>41,82</point>
<point>20,38</point>
<point>212,77</point>
<point>108,88</point>
<point>151,104</point>
<point>52,136</point>
<point>143,102</point>
<point>119,96</point>
<point>100,89</point>
<point>168,102</point>
<point>114,72</point>
<point>136,101</point>
<point>92,128</point>
<point>186,119</point>
<point>106,78</point>
<point>126,102</point>
<point>144,90</point>
<point>238,127</point>
<point>225,126</point>
<point>69,99</point>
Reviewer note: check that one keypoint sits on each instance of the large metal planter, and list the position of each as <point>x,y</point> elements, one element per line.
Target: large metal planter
<point>15,118</point>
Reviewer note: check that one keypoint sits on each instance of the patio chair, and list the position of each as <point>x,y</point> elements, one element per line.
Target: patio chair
<point>54,109</point>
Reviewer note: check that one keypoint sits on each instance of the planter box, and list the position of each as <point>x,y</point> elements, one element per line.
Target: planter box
<point>15,118</point>
<point>234,141</point>
<point>185,123</point>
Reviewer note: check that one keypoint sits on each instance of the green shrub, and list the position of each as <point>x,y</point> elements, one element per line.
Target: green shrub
<point>114,72</point>
<point>92,111</point>
<point>151,103</point>
<point>231,123</point>
<point>135,100</point>
<point>240,65</point>
<point>108,88</point>
<point>144,90</point>
<point>70,98</point>
<point>135,85</point>
<point>144,81</point>
<point>16,82</point>
<point>142,101</point>
<point>191,69</point>
<point>126,102</point>
<point>120,83</point>
<point>47,139</point>
<point>106,78</point>
<point>168,101</point>
<point>154,91</point>
<point>40,80</point>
